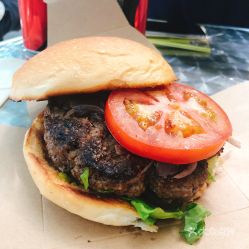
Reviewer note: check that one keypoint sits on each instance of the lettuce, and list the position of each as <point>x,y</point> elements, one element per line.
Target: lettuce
<point>194,222</point>
<point>193,217</point>
<point>84,177</point>
<point>211,176</point>
<point>212,162</point>
<point>150,215</point>
<point>64,177</point>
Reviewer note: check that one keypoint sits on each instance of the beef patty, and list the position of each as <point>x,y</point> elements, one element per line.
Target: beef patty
<point>76,137</point>
<point>179,190</point>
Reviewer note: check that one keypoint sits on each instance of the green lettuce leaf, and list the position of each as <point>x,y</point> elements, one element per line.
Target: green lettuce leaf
<point>194,222</point>
<point>211,176</point>
<point>84,177</point>
<point>64,177</point>
<point>193,217</point>
<point>151,214</point>
<point>211,169</point>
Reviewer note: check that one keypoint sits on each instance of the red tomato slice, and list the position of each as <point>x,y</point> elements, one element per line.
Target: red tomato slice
<point>175,124</point>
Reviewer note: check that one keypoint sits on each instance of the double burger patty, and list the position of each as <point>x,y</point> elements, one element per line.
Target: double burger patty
<point>76,137</point>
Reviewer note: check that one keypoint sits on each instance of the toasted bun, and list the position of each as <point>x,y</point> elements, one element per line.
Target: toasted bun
<point>88,65</point>
<point>107,211</point>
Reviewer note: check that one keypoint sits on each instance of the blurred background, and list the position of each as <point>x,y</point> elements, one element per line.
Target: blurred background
<point>190,12</point>
<point>180,16</point>
<point>9,19</point>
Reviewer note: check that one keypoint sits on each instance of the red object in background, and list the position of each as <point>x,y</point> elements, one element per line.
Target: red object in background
<point>33,14</point>
<point>141,16</point>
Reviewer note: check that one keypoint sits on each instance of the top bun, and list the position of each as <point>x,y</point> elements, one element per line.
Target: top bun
<point>88,65</point>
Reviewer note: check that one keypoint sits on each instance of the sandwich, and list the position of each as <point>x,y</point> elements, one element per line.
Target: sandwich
<point>119,142</point>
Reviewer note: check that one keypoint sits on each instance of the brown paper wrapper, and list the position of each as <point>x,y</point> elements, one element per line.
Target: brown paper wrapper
<point>30,221</point>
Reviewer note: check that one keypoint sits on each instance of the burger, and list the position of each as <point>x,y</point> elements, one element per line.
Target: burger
<point>119,142</point>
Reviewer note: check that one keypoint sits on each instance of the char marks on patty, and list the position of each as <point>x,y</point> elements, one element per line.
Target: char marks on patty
<point>76,137</point>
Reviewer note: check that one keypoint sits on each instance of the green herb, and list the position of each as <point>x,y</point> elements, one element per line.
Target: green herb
<point>64,177</point>
<point>193,217</point>
<point>194,222</point>
<point>180,44</point>
<point>84,178</point>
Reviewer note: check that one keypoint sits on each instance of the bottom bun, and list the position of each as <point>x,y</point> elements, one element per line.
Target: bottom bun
<point>108,211</point>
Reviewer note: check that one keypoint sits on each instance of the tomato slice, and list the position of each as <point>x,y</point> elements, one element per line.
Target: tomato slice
<point>174,124</point>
